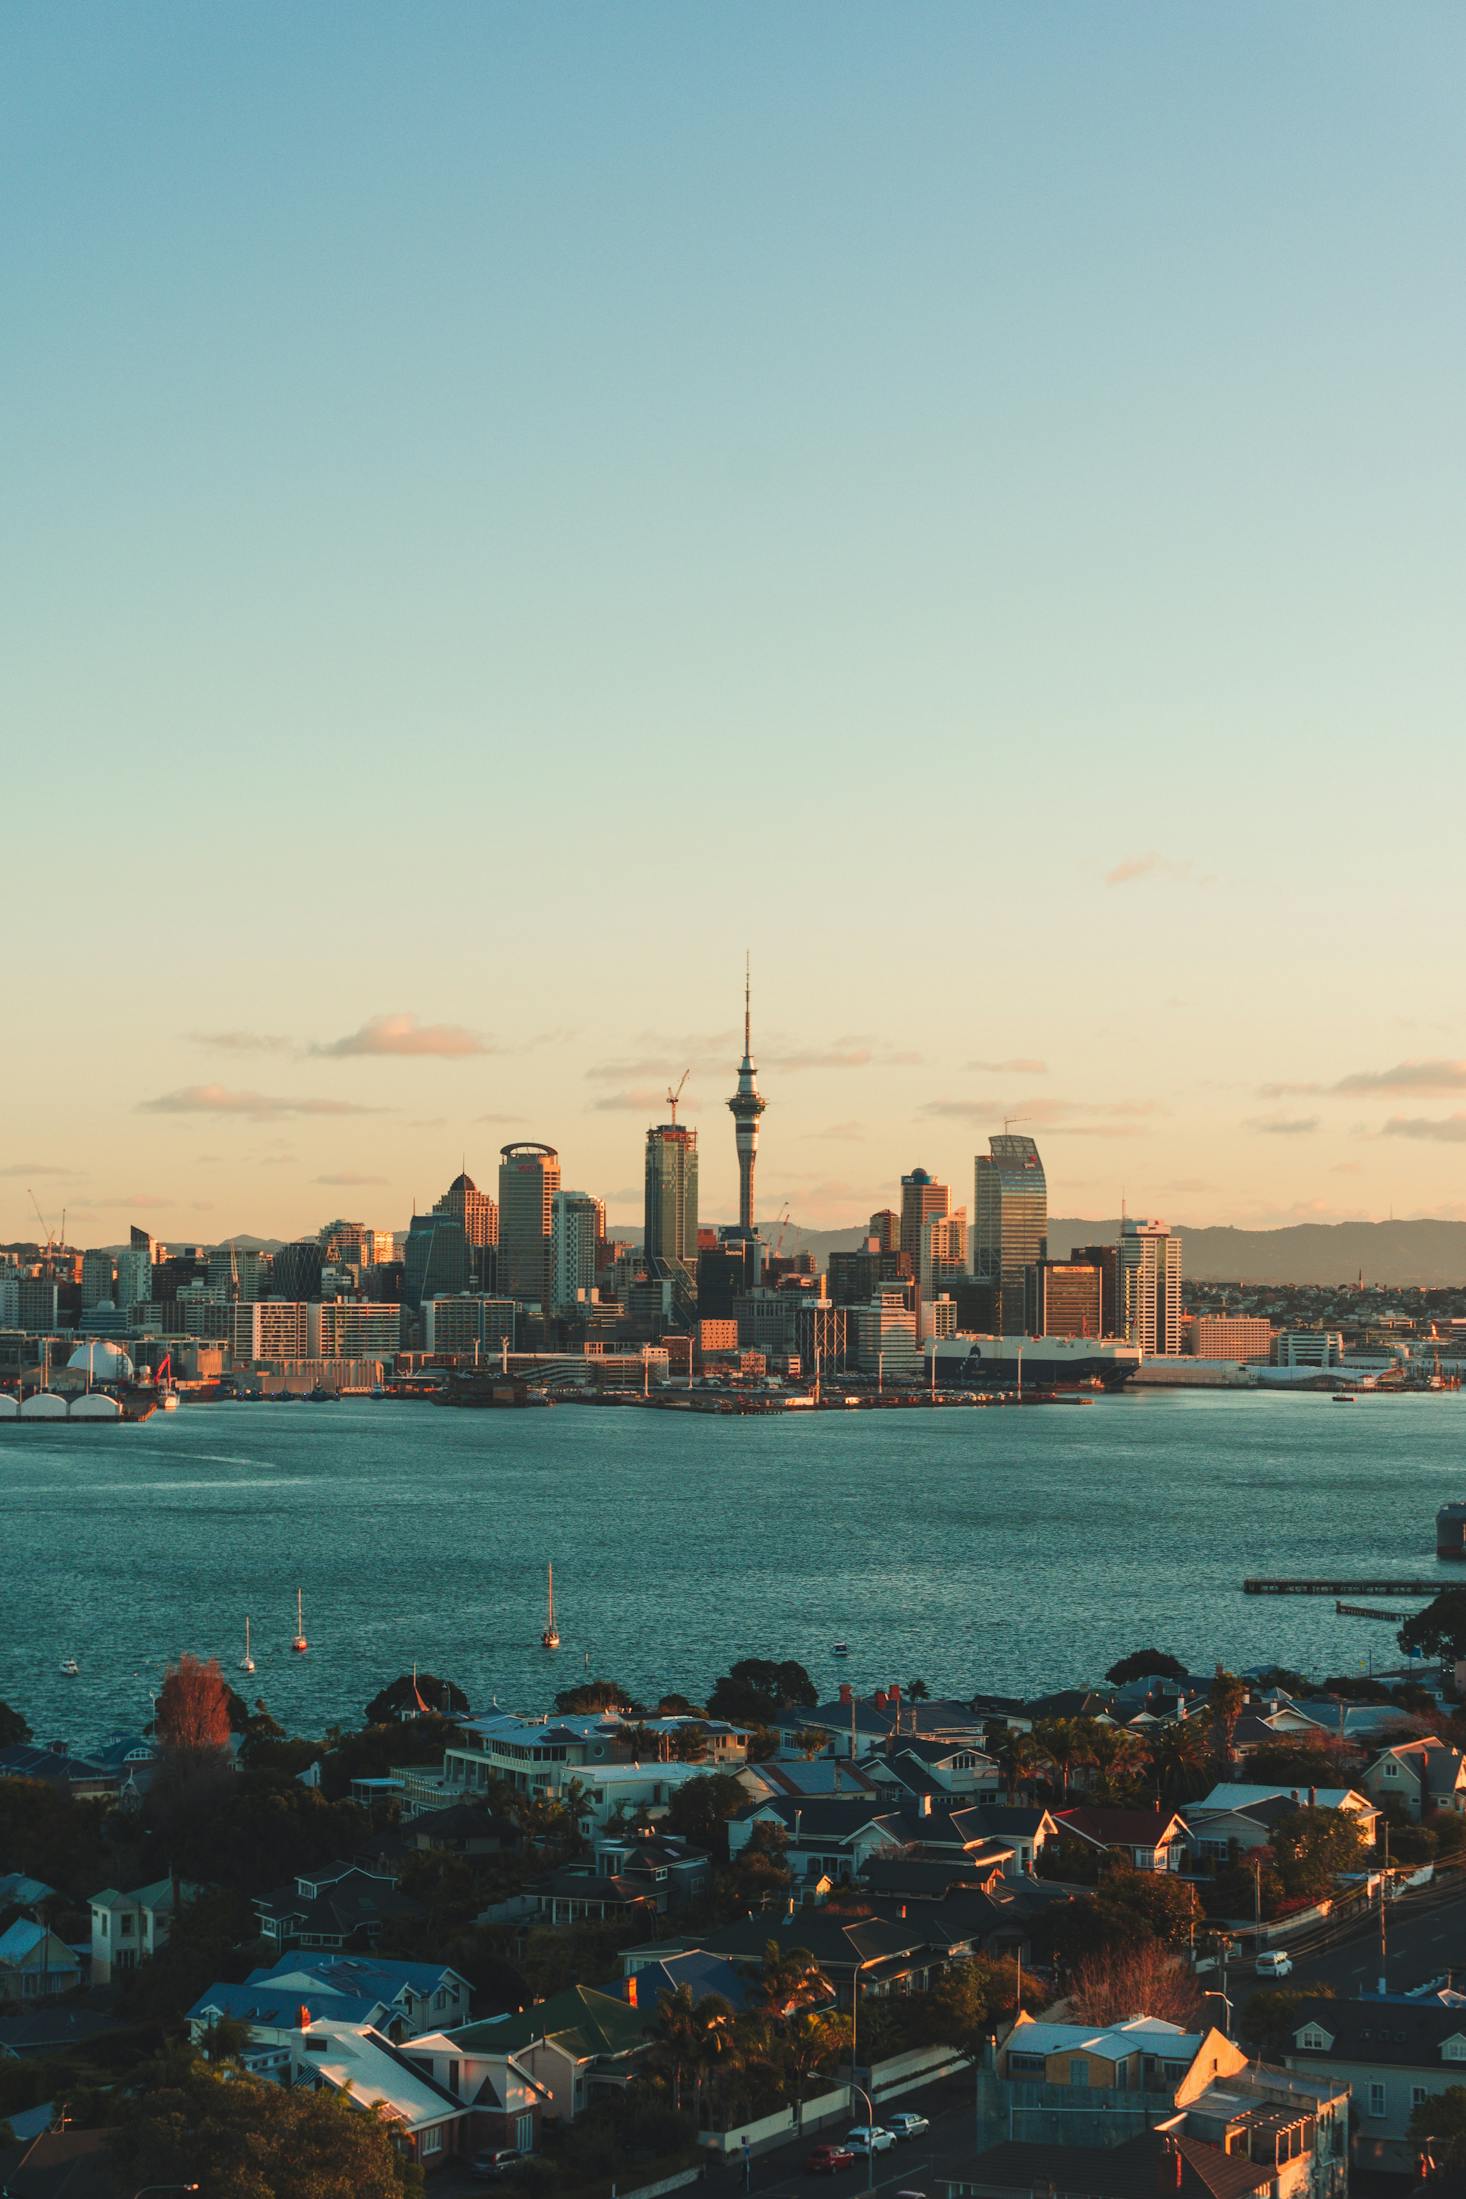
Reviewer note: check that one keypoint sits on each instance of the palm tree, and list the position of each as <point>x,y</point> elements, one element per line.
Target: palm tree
<point>1065,1742</point>
<point>1176,1754</point>
<point>675,2036</point>
<point>790,1979</point>
<point>917,1692</point>
<point>718,2046</point>
<point>811,2037</point>
<point>1018,1753</point>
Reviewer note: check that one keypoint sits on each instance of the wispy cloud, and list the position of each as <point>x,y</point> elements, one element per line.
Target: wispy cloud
<point>1407,1076</point>
<point>1440,1129</point>
<point>845,1133</point>
<point>855,1051</point>
<point>404,1035</point>
<point>1284,1126</point>
<point>643,1101</point>
<point>1019,1066</point>
<point>218,1099</point>
<point>1152,864</point>
<point>34,1168</point>
<point>1053,1117</point>
<point>244,1042</point>
<point>348,1178</point>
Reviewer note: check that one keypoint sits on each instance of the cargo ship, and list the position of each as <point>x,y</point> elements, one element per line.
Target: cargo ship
<point>1032,1362</point>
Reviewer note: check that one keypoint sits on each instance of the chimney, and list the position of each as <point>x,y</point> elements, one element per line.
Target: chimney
<point>302,2018</point>
<point>1313,1798</point>
<point>894,1691</point>
<point>1169,2167</point>
<point>879,1698</point>
<point>631,1990</point>
<point>847,1694</point>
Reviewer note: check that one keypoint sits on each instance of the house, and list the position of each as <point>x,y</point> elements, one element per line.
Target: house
<point>1392,2054</point>
<point>56,1767</point>
<point>128,1928</point>
<point>1149,1840</point>
<point>1160,2161</point>
<point>944,1771</point>
<point>366,2069</point>
<point>551,2060</point>
<point>272,2015</point>
<point>34,1963</point>
<point>879,1954</point>
<point>1237,1817</point>
<point>17,1891</point>
<point>133,1758</point>
<point>416,1995</point>
<point>1067,2084</point>
<point>462,1828</point>
<point>578,1893</point>
<point>833,1836</point>
<point>1424,1775</point>
<point>855,1725</point>
<point>675,1871</point>
<point>335,1906</point>
<point>648,1982</point>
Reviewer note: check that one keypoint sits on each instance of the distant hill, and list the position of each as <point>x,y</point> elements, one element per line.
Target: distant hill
<point>1421,1252</point>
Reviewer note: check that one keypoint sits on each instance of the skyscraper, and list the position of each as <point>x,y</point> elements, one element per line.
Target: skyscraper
<point>943,1259</point>
<point>921,1197</point>
<point>1150,1287</point>
<point>478,1218</point>
<point>671,1199</point>
<point>1010,1225</point>
<point>577,1224</point>
<point>529,1177</point>
<point>747,1104</point>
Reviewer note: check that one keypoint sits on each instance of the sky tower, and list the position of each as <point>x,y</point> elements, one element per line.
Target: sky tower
<point>746,1106</point>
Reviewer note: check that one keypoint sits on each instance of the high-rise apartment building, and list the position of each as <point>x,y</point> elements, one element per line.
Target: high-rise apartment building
<point>473,1208</point>
<point>577,1227</point>
<point>670,1238</point>
<point>921,1197</point>
<point>885,1227</point>
<point>1010,1225</point>
<point>1107,1259</point>
<point>470,1325</point>
<point>134,1285</point>
<point>98,1278</point>
<point>296,1269</point>
<point>1150,1287</point>
<point>529,1177</point>
<point>746,1105</point>
<point>943,1252</point>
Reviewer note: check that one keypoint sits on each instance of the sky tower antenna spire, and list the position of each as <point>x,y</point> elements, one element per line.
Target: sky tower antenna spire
<point>746,1105</point>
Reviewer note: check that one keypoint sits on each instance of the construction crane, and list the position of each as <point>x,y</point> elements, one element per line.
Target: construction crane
<point>779,1240</point>
<point>40,1217</point>
<point>674,1097</point>
<point>1009,1120</point>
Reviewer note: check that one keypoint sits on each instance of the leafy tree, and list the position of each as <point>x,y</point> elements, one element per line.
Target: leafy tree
<point>1085,1928</point>
<point>193,1707</point>
<point>212,1938</point>
<point>700,1810</point>
<point>1165,1903</point>
<point>371,1753</point>
<point>1312,1846</point>
<point>678,1706</point>
<point>1019,1756</point>
<point>415,1695</point>
<point>1145,1664</point>
<point>1295,1764</point>
<point>761,1878</point>
<point>592,1695</point>
<point>1285,1678</point>
<point>1438,1631</point>
<point>1438,2130</point>
<point>49,1835</point>
<point>755,1689</point>
<point>241,2138</point>
<point>13,1729</point>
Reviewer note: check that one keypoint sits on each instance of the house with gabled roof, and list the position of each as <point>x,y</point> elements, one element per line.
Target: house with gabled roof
<point>364,2068</point>
<point>415,1994</point>
<point>35,1962</point>
<point>1235,1816</point>
<point>334,1907</point>
<point>1424,1775</point>
<point>1393,2054</point>
<point>128,1928</point>
<point>551,2060</point>
<point>1148,1840</point>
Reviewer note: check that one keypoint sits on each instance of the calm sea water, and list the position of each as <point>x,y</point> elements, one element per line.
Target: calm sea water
<point>1006,1550</point>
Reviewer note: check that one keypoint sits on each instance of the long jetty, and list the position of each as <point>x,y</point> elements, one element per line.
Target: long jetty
<point>1258,1587</point>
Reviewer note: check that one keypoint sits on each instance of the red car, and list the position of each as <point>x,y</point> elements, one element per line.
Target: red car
<point>825,2160</point>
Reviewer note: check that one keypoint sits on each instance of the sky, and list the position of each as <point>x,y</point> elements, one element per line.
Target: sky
<point>506,508</point>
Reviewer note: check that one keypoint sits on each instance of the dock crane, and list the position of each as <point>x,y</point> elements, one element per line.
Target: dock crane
<point>674,1097</point>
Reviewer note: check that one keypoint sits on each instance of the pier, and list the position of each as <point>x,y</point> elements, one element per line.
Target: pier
<point>1336,1588</point>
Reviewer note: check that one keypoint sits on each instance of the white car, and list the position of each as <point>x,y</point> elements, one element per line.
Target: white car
<point>869,2138</point>
<point>908,2126</point>
<point>1273,1964</point>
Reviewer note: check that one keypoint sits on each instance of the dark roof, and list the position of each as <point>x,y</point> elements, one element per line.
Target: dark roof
<point>916,1877</point>
<point>1069,1702</point>
<point>1131,1828</point>
<point>25,1761</point>
<point>819,1816</point>
<point>836,1942</point>
<point>1407,2033</point>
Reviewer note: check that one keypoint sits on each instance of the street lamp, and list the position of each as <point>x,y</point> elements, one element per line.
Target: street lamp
<point>870,2132</point>
<point>1211,1993</point>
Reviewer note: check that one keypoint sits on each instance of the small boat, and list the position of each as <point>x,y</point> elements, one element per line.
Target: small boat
<point>169,1401</point>
<point>246,1662</point>
<point>300,1645</point>
<point>1345,1397</point>
<point>841,1649</point>
<point>551,1635</point>
<point>69,1668</point>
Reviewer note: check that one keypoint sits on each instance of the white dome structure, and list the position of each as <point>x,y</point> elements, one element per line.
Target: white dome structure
<point>101,1360</point>
<point>43,1405</point>
<point>94,1407</point>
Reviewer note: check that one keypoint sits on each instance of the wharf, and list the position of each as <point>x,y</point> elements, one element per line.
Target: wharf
<point>1256,1587</point>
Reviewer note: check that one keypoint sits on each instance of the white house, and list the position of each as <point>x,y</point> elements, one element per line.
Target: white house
<point>129,1927</point>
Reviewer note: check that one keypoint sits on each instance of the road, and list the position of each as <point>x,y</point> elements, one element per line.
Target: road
<point>1426,1935</point>
<point>948,2106</point>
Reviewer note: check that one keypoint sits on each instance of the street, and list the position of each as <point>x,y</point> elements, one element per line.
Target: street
<point>1426,1935</point>
<point>949,2108</point>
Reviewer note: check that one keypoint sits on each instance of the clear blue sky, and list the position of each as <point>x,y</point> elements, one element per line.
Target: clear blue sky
<point>505,505</point>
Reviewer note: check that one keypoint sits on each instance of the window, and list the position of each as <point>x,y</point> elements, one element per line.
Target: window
<point>1392,1769</point>
<point>1454,2050</point>
<point>524,2133</point>
<point>1311,2036</point>
<point>1419,2094</point>
<point>1079,2072</point>
<point>1376,2099</point>
<point>1025,2065</point>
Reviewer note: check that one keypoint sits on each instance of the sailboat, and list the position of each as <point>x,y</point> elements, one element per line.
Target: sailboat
<point>300,1645</point>
<point>551,1635</point>
<point>246,1662</point>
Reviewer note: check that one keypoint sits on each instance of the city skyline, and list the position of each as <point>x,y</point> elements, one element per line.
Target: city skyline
<point>451,459</point>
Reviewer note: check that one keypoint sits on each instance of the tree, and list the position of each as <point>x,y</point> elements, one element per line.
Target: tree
<point>1439,1630</point>
<point>1224,1700</point>
<point>1271,2015</point>
<point>1166,1904</point>
<point>1065,1742</point>
<point>193,1708</point>
<point>917,1693</point>
<point>790,1979</point>
<point>592,1695</point>
<point>241,2138</point>
<point>1438,2130</point>
<point>1312,1846</point>
<point>1145,1664</point>
<point>1018,1755</point>
<point>755,1689</point>
<point>1108,1987</point>
<point>13,1729</point>
<point>1295,1764</point>
<point>700,1810</point>
<point>414,1695</point>
<point>1177,1754</point>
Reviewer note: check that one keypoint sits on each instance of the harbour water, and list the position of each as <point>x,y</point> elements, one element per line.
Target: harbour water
<point>1002,1550</point>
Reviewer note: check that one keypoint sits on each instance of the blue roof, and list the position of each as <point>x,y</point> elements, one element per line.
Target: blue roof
<point>16,1887</point>
<point>277,2009</point>
<point>356,1974</point>
<point>704,1973</point>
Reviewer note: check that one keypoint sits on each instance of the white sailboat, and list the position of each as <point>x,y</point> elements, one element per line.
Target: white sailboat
<point>551,1635</point>
<point>246,1662</point>
<point>300,1645</point>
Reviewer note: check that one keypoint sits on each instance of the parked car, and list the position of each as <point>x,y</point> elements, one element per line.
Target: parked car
<point>828,2160</point>
<point>869,2138</point>
<point>492,2165</point>
<point>907,2126</point>
<point>1273,1964</point>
